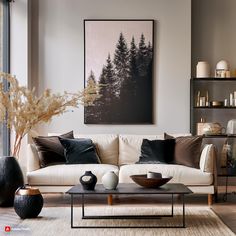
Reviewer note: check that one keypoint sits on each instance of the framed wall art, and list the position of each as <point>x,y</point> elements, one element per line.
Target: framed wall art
<point>119,57</point>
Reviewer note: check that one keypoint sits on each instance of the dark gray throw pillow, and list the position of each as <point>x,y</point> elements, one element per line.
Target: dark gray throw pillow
<point>79,151</point>
<point>157,151</point>
<point>50,150</point>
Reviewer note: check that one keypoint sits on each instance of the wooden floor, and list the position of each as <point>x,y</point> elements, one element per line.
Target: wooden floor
<point>225,210</point>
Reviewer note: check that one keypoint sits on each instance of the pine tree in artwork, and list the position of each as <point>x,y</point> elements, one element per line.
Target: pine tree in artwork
<point>91,111</point>
<point>142,57</point>
<point>91,78</point>
<point>107,91</point>
<point>110,79</point>
<point>133,60</point>
<point>149,52</point>
<point>121,63</point>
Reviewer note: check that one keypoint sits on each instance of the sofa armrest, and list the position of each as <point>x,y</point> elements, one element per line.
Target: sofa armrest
<point>208,162</point>
<point>208,158</point>
<point>32,158</point>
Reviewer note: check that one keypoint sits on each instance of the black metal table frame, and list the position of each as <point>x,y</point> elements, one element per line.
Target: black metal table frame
<point>127,216</point>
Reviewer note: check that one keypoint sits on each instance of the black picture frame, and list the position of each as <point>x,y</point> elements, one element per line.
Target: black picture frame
<point>119,54</point>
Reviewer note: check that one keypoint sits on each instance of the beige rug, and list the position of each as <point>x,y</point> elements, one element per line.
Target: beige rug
<point>56,221</point>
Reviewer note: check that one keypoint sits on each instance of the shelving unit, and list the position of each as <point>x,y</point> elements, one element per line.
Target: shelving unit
<point>218,89</point>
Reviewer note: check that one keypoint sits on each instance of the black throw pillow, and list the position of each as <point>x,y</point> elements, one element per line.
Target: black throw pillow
<point>50,150</point>
<point>80,151</point>
<point>157,151</point>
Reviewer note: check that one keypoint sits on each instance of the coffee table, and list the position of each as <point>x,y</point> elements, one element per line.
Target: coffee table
<point>129,189</point>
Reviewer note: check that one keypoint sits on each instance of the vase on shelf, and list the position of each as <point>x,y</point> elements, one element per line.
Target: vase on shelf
<point>202,69</point>
<point>11,178</point>
<point>88,180</point>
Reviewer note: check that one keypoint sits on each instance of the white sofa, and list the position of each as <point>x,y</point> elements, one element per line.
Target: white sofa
<point>119,153</point>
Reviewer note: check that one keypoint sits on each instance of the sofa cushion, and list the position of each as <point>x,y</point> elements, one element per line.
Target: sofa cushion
<point>181,174</point>
<point>187,150</point>
<point>157,151</point>
<point>108,146</point>
<point>67,174</point>
<point>50,150</point>
<point>80,151</point>
<point>130,147</point>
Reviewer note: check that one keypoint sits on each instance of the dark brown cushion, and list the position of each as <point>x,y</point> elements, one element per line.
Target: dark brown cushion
<point>187,150</point>
<point>50,150</point>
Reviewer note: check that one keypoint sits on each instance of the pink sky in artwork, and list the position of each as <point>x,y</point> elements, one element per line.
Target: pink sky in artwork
<point>102,36</point>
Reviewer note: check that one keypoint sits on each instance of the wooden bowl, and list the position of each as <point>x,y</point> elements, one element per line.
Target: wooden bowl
<point>143,181</point>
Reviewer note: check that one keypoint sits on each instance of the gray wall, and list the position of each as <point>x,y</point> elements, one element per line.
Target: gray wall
<point>213,32</point>
<point>58,58</point>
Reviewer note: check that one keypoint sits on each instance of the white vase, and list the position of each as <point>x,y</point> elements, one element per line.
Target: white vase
<point>202,69</point>
<point>110,180</point>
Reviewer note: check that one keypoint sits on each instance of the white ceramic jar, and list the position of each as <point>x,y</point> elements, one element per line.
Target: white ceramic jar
<point>202,69</point>
<point>110,180</point>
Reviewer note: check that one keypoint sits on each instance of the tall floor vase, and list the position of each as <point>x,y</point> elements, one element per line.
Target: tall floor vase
<point>11,178</point>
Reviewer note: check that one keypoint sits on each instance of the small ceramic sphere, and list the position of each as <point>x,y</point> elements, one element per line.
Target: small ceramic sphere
<point>222,65</point>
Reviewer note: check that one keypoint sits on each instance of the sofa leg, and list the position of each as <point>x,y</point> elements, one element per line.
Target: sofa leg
<point>109,199</point>
<point>210,199</point>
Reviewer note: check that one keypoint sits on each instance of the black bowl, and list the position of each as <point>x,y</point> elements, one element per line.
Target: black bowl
<point>143,181</point>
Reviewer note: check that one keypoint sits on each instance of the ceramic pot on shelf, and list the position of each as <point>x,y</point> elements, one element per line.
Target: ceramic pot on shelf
<point>110,180</point>
<point>202,69</point>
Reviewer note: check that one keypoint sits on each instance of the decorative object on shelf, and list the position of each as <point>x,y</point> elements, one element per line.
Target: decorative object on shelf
<point>143,181</point>
<point>110,180</point>
<point>11,178</point>
<point>198,98</point>
<point>207,99</point>
<point>231,99</point>
<point>202,69</point>
<point>200,126</point>
<point>217,103</point>
<point>222,69</point>
<point>202,101</point>
<point>213,128</point>
<point>154,175</point>
<point>226,102</point>
<point>28,202</point>
<point>231,127</point>
<point>88,180</point>
<point>124,64</point>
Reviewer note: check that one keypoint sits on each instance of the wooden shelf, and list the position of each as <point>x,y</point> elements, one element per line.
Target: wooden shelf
<point>214,79</point>
<point>214,107</point>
